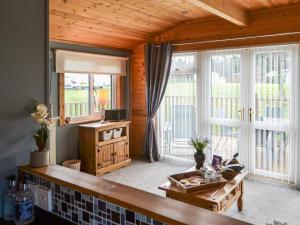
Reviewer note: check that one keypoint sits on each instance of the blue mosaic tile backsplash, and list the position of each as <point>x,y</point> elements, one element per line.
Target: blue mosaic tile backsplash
<point>82,209</point>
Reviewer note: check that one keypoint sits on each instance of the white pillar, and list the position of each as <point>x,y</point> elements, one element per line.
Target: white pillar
<point>52,140</point>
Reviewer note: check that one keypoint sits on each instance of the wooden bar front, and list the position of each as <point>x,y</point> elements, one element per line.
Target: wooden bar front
<point>159,208</point>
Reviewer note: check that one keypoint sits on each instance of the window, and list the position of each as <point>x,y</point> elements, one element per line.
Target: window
<point>84,95</point>
<point>89,82</point>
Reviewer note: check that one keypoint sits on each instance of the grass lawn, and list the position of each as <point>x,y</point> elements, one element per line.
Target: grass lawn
<point>78,95</point>
<point>226,90</point>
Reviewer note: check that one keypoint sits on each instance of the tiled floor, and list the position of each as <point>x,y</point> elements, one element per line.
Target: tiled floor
<point>264,202</point>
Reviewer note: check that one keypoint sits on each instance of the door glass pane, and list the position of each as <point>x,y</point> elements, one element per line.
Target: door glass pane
<point>225,70</point>
<point>272,90</point>
<point>272,112</point>
<point>225,86</point>
<point>178,109</point>
<point>272,151</point>
<point>224,140</point>
<point>76,95</point>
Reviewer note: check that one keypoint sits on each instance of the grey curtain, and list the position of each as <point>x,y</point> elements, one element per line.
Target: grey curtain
<point>158,60</point>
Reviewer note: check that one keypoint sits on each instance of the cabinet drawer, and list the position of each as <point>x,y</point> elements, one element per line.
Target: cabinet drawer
<point>226,199</point>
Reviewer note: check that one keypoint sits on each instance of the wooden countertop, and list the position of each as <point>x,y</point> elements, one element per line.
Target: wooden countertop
<point>106,124</point>
<point>157,207</point>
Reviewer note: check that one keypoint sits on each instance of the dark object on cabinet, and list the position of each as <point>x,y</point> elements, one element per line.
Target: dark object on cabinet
<point>115,114</point>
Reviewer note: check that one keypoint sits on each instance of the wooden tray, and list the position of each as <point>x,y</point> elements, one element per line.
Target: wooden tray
<point>174,180</point>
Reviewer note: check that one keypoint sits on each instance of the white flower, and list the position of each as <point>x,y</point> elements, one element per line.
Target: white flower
<point>41,114</point>
<point>42,110</point>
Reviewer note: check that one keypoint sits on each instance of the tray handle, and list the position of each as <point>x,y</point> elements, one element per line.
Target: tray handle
<point>176,183</point>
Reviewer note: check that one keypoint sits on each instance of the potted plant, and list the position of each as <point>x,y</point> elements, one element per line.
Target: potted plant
<point>200,145</point>
<point>40,157</point>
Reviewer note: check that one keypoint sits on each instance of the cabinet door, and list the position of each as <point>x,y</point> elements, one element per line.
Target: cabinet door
<point>121,151</point>
<point>105,156</point>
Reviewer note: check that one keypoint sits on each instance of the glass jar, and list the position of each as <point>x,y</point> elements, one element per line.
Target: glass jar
<point>24,206</point>
<point>9,199</point>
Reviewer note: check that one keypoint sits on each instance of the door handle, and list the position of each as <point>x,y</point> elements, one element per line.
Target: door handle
<point>242,111</point>
<point>251,115</point>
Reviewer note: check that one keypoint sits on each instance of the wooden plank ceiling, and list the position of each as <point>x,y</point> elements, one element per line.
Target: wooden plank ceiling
<point>128,23</point>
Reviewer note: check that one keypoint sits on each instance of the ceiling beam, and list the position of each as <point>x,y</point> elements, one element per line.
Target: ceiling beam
<point>224,9</point>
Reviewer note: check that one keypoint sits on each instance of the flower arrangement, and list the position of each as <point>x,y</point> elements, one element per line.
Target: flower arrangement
<point>199,144</point>
<point>41,115</point>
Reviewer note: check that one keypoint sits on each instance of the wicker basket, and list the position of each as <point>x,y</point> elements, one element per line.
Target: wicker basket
<point>117,132</point>
<point>73,164</point>
<point>105,135</point>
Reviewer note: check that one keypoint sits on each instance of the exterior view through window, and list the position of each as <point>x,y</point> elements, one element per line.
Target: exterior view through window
<point>85,94</point>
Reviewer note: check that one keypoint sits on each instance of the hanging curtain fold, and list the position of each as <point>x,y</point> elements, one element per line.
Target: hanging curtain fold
<point>157,68</point>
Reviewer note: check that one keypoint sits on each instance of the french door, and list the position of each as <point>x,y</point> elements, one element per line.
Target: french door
<point>224,100</point>
<point>271,111</point>
<point>249,107</point>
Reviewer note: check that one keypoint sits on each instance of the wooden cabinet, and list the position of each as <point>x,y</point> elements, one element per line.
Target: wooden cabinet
<point>100,156</point>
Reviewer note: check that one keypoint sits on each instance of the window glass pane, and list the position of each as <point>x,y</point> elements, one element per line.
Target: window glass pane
<point>76,94</point>
<point>102,92</point>
<point>178,110</point>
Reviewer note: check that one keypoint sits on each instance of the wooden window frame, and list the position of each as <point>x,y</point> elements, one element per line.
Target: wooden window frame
<point>117,100</point>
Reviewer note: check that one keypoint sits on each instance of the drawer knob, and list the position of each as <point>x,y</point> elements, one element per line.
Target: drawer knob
<point>126,155</point>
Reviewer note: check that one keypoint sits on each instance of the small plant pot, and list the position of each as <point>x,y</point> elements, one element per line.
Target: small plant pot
<point>199,159</point>
<point>39,158</point>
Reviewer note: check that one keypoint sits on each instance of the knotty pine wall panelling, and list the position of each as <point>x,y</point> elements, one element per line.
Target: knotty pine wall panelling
<point>138,101</point>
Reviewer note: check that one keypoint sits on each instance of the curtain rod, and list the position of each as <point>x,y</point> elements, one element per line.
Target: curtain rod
<point>234,39</point>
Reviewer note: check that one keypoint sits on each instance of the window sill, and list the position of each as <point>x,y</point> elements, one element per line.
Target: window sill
<point>82,121</point>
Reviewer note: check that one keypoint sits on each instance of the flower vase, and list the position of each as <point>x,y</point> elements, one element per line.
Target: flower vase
<point>39,158</point>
